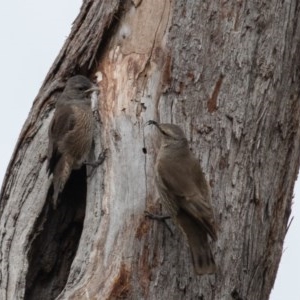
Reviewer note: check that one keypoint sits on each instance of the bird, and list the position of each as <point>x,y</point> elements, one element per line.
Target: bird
<point>185,194</point>
<point>70,132</point>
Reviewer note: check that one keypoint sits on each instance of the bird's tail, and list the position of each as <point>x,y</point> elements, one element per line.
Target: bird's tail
<point>61,175</point>
<point>197,237</point>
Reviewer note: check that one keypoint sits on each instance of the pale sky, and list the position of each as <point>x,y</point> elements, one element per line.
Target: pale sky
<point>32,33</point>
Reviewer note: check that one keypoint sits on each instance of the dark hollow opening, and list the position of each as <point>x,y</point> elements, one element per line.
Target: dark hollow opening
<point>55,239</point>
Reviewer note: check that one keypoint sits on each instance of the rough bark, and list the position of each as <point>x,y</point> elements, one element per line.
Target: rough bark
<point>227,72</point>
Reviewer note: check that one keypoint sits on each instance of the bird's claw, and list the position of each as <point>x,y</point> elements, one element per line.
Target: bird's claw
<point>96,163</point>
<point>162,218</point>
<point>99,161</point>
<point>156,217</point>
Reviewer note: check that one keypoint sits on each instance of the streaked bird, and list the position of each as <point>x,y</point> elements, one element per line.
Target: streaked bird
<point>70,132</point>
<point>185,194</point>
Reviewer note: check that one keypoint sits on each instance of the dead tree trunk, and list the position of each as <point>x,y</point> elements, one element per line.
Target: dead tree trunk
<point>228,72</point>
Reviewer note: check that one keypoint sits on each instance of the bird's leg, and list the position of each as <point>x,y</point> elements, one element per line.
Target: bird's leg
<point>96,163</point>
<point>162,218</point>
<point>157,217</point>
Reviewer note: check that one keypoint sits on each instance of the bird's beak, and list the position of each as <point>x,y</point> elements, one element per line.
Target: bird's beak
<point>151,122</point>
<point>94,88</point>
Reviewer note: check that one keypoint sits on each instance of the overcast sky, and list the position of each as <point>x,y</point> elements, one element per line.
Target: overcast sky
<point>32,33</point>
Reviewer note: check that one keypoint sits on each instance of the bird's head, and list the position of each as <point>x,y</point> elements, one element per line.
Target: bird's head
<point>79,87</point>
<point>171,134</point>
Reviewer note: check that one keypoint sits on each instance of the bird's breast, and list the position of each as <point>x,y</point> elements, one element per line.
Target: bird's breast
<point>80,138</point>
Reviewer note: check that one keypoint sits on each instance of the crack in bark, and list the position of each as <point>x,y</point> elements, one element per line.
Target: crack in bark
<point>212,102</point>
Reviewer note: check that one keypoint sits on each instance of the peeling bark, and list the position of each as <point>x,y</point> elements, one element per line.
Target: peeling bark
<point>228,73</point>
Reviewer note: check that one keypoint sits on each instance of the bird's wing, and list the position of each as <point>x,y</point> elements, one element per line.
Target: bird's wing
<point>62,123</point>
<point>184,183</point>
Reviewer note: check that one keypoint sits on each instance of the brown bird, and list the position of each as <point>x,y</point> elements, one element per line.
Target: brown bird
<point>70,132</point>
<point>185,194</point>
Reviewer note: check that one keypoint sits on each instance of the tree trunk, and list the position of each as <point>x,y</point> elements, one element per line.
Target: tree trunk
<point>228,72</point>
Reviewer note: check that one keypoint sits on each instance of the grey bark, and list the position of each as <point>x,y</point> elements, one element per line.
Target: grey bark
<point>228,73</point>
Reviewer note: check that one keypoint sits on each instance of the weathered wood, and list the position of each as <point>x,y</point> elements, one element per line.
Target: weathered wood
<point>228,73</point>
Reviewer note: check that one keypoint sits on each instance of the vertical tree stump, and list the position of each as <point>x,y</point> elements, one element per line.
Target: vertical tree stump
<point>228,73</point>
